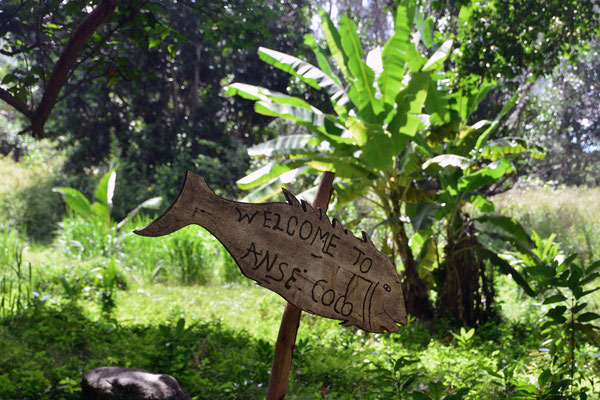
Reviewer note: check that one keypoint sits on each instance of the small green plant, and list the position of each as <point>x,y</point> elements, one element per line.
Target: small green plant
<point>464,338</point>
<point>107,282</point>
<point>69,385</point>
<point>567,323</point>
<point>396,380</point>
<point>100,209</point>
<point>97,214</point>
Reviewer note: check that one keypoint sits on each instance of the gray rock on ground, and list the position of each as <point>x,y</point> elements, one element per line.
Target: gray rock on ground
<point>117,383</point>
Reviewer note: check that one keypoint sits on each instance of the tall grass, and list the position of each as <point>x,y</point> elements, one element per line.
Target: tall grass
<point>572,213</point>
<point>16,281</point>
<point>190,255</point>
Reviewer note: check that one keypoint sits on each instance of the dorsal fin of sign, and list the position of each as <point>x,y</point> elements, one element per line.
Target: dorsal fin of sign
<point>291,199</point>
<point>306,206</point>
<point>294,202</point>
<point>338,225</point>
<point>322,214</point>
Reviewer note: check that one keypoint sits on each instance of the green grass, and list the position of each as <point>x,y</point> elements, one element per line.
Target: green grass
<point>217,340</point>
<point>189,256</point>
<point>182,307</point>
<point>572,213</point>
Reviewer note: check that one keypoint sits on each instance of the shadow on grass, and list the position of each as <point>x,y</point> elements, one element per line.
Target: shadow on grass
<point>46,351</point>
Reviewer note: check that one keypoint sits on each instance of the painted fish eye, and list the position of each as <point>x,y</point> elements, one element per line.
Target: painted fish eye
<point>387,288</point>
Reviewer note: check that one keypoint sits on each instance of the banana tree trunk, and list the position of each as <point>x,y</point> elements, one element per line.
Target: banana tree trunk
<point>416,296</point>
<point>466,296</point>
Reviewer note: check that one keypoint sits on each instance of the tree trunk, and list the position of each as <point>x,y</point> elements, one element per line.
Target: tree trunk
<point>466,294</point>
<point>416,297</point>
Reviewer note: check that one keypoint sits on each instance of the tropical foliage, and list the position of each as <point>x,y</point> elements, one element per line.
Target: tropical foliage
<point>400,135</point>
<point>416,114</point>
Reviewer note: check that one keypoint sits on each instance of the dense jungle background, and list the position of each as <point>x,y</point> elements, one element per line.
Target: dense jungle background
<point>465,139</point>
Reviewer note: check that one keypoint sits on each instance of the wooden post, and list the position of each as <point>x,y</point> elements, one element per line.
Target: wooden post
<point>286,339</point>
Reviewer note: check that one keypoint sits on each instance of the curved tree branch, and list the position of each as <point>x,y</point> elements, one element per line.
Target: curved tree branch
<point>103,11</point>
<point>17,103</point>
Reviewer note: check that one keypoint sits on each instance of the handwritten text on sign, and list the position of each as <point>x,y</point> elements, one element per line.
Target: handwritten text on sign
<point>297,252</point>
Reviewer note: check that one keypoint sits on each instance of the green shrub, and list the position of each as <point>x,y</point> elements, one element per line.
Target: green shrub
<point>26,199</point>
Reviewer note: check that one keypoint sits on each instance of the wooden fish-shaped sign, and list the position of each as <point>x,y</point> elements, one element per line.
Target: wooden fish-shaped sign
<point>295,251</point>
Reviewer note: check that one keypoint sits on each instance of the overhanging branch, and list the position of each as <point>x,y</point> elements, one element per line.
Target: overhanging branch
<point>62,68</point>
<point>15,102</point>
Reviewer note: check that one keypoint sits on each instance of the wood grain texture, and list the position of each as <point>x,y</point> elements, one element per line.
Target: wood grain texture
<point>297,252</point>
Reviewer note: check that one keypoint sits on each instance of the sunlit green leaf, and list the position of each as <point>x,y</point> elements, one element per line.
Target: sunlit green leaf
<point>282,145</point>
<point>76,201</point>
<point>449,160</point>
<point>268,172</point>
<point>362,76</point>
<point>106,188</point>
<point>436,61</point>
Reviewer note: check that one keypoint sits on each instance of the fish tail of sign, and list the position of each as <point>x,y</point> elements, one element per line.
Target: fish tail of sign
<point>190,207</point>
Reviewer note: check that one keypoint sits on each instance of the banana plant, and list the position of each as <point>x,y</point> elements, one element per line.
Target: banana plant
<point>378,105</point>
<point>100,209</point>
<point>397,121</point>
<point>462,161</point>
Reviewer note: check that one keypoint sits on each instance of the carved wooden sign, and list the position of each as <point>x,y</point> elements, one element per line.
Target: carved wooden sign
<point>295,251</point>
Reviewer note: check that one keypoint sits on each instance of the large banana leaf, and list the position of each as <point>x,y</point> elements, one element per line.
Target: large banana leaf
<point>306,72</point>
<point>437,104</point>
<point>252,92</point>
<point>322,61</point>
<point>275,104</point>
<point>258,93</point>
<point>476,98</point>
<point>405,16</point>
<point>509,225</point>
<point>506,269</point>
<point>485,135</point>
<point>376,145</point>
<point>405,123</point>
<point>325,126</point>
<point>334,43</point>
<point>344,166</point>
<point>379,151</point>
<point>414,60</point>
<point>503,147</point>
<point>394,55</point>
<point>436,61</point>
<point>102,213</point>
<point>348,191</point>
<point>272,188</point>
<point>310,117</point>
<point>303,70</point>
<point>269,172</point>
<point>339,99</point>
<point>485,176</point>
<point>283,145</point>
<point>449,160</point>
<point>362,77</point>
